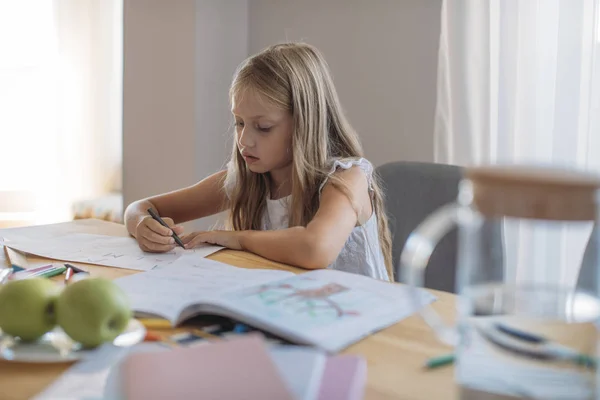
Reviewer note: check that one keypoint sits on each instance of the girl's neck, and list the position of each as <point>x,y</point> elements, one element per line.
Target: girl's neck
<point>280,182</point>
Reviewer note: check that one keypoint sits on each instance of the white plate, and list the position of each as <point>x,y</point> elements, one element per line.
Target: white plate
<point>56,347</point>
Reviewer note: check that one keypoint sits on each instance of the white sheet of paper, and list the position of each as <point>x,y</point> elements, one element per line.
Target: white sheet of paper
<point>112,251</point>
<point>39,232</point>
<point>189,280</point>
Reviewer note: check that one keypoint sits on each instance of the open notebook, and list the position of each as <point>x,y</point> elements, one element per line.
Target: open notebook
<point>324,308</point>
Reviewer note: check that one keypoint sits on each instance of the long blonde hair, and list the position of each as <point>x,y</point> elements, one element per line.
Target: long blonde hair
<point>295,77</point>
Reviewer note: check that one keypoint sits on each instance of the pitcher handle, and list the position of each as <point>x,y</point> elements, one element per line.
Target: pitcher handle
<point>415,258</point>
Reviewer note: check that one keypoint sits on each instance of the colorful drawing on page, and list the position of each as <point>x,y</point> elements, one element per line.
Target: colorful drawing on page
<point>313,301</point>
<point>308,300</point>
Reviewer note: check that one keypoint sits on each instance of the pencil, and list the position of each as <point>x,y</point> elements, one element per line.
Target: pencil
<point>163,223</point>
<point>439,361</point>
<point>155,323</point>
<point>74,268</point>
<point>206,335</point>
<point>68,274</point>
<point>51,272</point>
<point>46,271</point>
<point>152,337</point>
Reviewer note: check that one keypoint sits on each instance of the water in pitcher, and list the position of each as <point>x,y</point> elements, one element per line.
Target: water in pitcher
<point>527,342</point>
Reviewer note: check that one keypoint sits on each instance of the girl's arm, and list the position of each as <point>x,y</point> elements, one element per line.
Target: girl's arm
<point>315,246</point>
<point>205,198</point>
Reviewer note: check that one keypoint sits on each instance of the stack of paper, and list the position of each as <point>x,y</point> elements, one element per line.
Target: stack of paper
<point>312,375</point>
<point>242,367</point>
<point>235,369</point>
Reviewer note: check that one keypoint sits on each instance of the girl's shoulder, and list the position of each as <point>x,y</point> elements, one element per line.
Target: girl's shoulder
<point>337,164</point>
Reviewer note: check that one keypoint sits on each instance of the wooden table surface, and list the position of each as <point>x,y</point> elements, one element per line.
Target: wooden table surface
<point>394,355</point>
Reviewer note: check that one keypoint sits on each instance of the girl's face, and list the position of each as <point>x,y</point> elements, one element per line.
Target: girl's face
<point>263,133</point>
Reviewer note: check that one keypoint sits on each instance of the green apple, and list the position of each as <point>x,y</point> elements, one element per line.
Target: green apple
<point>93,311</point>
<point>27,307</point>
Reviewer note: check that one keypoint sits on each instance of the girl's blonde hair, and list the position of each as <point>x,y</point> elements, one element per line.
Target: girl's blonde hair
<point>295,77</point>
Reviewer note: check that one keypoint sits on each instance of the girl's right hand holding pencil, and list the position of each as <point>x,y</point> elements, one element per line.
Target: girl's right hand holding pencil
<point>155,238</point>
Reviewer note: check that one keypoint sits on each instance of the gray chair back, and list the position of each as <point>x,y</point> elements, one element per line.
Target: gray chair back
<point>412,191</point>
<point>588,274</point>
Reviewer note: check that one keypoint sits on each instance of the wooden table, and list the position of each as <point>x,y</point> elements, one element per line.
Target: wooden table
<point>395,355</point>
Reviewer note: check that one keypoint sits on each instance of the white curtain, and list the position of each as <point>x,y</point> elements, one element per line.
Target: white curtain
<point>519,82</point>
<point>60,101</point>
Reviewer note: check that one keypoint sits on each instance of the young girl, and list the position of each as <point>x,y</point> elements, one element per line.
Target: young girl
<point>297,188</point>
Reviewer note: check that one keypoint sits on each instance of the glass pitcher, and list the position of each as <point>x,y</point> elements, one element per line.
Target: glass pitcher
<point>524,329</point>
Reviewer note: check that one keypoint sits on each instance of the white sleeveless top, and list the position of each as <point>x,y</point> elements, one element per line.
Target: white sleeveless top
<point>362,252</point>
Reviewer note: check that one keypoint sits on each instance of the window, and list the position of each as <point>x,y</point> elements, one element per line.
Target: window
<point>60,104</point>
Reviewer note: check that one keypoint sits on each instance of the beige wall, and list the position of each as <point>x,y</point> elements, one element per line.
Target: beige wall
<point>221,44</point>
<point>178,63</point>
<point>158,96</point>
<point>383,55</point>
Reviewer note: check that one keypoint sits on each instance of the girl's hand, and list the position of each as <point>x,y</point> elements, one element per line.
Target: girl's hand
<point>155,238</point>
<point>229,239</point>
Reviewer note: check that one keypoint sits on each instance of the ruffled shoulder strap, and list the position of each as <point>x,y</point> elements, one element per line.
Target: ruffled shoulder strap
<point>347,163</point>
